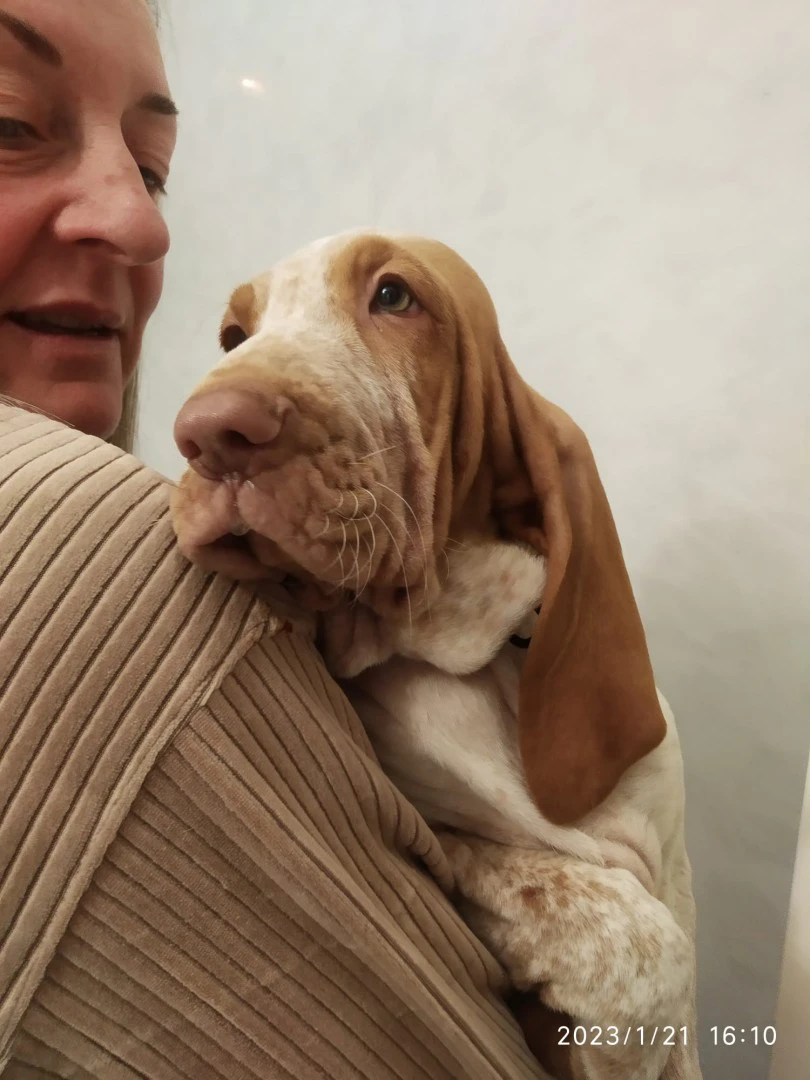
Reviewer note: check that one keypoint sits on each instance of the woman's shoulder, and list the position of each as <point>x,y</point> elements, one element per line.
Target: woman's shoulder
<point>68,496</point>
<point>91,579</point>
<point>28,436</point>
<point>110,641</point>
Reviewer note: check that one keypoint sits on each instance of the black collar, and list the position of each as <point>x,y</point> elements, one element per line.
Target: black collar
<point>523,642</point>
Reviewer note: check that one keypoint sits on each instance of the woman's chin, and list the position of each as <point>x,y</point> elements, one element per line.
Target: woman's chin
<point>91,407</point>
<point>94,409</point>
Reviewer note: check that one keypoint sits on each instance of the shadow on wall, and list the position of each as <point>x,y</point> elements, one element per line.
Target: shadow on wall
<point>722,606</point>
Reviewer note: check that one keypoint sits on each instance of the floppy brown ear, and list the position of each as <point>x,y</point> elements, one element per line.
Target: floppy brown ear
<point>588,703</point>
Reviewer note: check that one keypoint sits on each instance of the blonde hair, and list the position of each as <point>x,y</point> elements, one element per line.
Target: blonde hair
<point>124,435</point>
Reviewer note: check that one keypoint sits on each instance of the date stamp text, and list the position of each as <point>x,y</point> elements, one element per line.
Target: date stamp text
<point>595,1035</point>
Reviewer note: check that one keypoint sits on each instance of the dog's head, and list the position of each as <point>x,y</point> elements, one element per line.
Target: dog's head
<point>365,418</point>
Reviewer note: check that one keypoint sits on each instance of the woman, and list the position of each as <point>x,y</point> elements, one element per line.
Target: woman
<point>203,872</point>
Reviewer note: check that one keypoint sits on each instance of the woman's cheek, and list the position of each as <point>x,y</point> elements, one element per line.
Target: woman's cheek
<point>20,222</point>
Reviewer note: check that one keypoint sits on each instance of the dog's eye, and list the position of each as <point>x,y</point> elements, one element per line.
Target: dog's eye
<point>231,337</point>
<point>393,298</point>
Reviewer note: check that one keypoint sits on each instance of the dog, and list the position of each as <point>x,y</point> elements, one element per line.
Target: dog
<point>368,451</point>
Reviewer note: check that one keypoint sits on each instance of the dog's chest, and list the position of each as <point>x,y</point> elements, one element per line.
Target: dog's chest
<point>440,705</point>
<point>442,712</point>
<point>449,742</point>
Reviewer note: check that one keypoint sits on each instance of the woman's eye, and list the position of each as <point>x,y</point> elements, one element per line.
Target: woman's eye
<point>155,185</point>
<point>16,131</point>
<point>392,297</point>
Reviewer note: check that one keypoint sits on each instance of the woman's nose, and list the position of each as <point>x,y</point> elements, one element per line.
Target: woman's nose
<point>108,203</point>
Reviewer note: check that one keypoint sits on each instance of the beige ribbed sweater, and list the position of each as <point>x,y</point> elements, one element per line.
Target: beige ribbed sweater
<point>203,871</point>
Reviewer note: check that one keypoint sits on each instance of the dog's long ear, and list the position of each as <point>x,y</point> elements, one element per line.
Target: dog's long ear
<point>588,703</point>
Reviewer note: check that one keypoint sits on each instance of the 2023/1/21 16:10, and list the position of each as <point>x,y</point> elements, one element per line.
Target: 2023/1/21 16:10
<point>739,1036</point>
<point>729,1035</point>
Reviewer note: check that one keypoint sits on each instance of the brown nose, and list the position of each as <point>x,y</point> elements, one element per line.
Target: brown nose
<point>220,431</point>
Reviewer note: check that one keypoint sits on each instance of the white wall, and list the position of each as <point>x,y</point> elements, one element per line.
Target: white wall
<point>632,180</point>
<point>792,1052</point>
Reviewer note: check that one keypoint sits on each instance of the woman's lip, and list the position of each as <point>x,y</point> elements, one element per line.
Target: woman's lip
<point>56,330</point>
<point>79,310</point>
<point>72,339</point>
<point>79,355</point>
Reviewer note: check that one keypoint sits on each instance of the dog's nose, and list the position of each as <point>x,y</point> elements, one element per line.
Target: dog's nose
<point>220,431</point>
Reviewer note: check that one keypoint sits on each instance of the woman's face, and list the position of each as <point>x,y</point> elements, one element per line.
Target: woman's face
<point>87,131</point>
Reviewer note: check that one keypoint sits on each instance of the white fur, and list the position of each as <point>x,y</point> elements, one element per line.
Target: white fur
<point>611,941</point>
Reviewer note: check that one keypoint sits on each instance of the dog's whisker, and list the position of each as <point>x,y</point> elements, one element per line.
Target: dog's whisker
<point>324,530</point>
<point>370,561</point>
<point>402,564</point>
<point>340,556</point>
<point>355,570</point>
<point>358,568</point>
<point>358,592</point>
<point>340,552</point>
<point>384,450</point>
<point>421,536</point>
<point>373,542</point>
<point>356,515</point>
<point>447,560</point>
<point>413,515</point>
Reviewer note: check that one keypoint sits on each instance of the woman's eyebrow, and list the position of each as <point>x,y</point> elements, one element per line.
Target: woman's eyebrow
<point>31,39</point>
<point>38,45</point>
